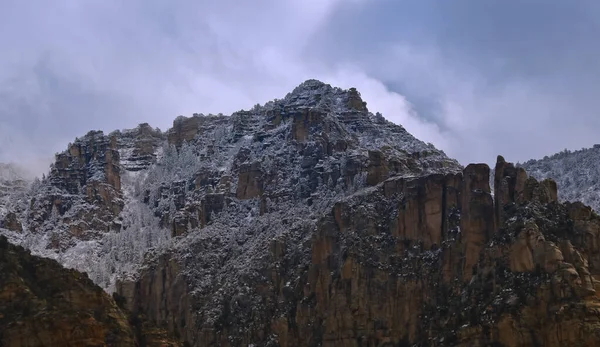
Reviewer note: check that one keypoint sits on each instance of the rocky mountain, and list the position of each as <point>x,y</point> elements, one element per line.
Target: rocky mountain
<point>576,172</point>
<point>310,221</point>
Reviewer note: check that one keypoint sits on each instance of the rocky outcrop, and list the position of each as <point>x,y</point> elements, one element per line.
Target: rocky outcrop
<point>94,157</point>
<point>249,181</point>
<point>138,148</point>
<point>586,236</point>
<point>81,196</point>
<point>186,129</point>
<point>410,261</point>
<point>43,304</point>
<point>477,220</point>
<point>355,102</point>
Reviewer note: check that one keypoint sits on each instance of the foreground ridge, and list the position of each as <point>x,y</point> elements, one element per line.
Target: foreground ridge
<point>43,304</point>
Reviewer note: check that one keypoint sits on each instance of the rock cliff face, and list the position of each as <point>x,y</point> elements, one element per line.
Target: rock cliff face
<point>82,193</point>
<point>139,147</point>
<point>43,304</point>
<point>82,207</point>
<point>310,221</point>
<point>82,196</point>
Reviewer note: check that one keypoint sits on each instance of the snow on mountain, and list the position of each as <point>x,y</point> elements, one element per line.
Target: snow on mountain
<point>577,174</point>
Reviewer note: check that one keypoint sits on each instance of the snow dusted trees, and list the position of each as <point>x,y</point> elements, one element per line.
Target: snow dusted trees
<point>576,172</point>
<point>121,251</point>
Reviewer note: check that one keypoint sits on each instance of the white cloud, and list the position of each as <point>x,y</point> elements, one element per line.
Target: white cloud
<point>392,105</point>
<point>520,118</point>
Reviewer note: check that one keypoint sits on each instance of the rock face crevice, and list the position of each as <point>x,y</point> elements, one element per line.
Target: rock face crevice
<point>410,261</point>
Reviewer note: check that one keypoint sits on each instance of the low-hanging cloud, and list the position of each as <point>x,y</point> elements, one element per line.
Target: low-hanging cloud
<point>497,77</point>
<point>520,118</point>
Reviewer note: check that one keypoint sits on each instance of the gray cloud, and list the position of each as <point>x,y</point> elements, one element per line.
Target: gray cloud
<point>516,78</point>
<point>475,78</point>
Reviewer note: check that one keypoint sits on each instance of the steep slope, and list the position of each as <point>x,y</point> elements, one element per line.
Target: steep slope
<point>43,304</point>
<point>576,172</point>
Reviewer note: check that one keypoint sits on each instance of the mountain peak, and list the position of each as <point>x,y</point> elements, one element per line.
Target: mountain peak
<point>314,94</point>
<point>312,84</point>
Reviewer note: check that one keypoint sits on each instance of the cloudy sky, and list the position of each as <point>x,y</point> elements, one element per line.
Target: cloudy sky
<point>477,78</point>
